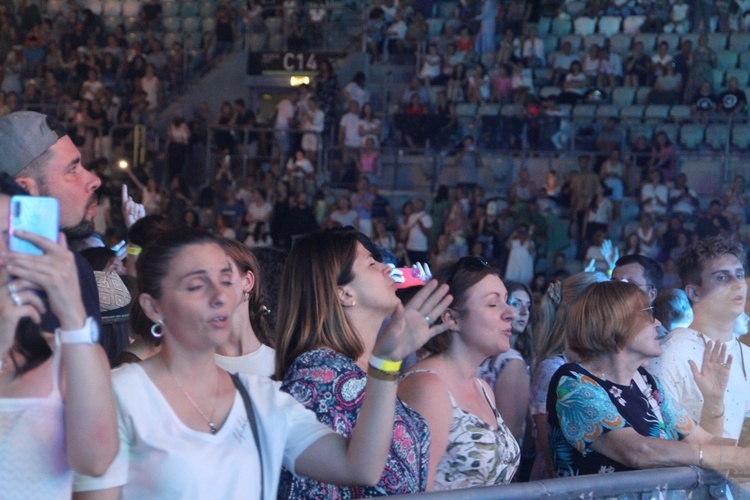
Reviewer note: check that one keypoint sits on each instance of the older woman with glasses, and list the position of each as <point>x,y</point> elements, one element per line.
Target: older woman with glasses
<point>607,413</point>
<point>471,445</point>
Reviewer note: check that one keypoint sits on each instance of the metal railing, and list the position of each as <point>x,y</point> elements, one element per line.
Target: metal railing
<point>668,483</point>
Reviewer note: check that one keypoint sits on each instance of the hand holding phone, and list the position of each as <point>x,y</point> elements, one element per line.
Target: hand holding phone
<point>35,214</point>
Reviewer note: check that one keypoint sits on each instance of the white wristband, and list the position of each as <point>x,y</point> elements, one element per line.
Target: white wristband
<point>89,334</point>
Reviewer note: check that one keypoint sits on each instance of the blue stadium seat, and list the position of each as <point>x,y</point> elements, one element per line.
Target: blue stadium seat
<point>543,26</point>
<point>641,95</point>
<point>607,111</point>
<point>593,39</point>
<point>561,27</point>
<point>656,113</point>
<point>574,40</point>
<point>691,135</point>
<point>741,75</point>
<point>741,135</point>
<point>171,24</point>
<point>620,43</point>
<point>632,112</point>
<point>609,25</point>
<point>739,41</point>
<point>717,41</point>
<point>648,40</point>
<point>623,96</point>
<point>632,24</point>
<point>717,135</point>
<point>434,26</point>
<point>726,59</point>
<point>680,112</point>
<point>583,25</point>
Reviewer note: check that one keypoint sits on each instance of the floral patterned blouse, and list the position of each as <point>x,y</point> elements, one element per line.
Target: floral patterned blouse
<point>332,385</point>
<point>477,454</point>
<point>581,407</point>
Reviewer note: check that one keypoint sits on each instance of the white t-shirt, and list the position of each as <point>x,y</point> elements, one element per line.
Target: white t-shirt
<point>261,362</point>
<point>685,205</point>
<point>674,372</point>
<point>655,192</point>
<point>161,458</point>
<point>350,125</point>
<point>285,111</point>
<point>417,240</point>
<point>357,93</point>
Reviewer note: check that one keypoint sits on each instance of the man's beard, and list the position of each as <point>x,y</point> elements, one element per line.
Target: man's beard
<point>83,229</point>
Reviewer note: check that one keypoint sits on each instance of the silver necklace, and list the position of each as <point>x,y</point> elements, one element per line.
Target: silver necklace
<point>209,421</point>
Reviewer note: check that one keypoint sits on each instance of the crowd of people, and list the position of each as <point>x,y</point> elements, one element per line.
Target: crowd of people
<point>261,320</point>
<point>468,379</point>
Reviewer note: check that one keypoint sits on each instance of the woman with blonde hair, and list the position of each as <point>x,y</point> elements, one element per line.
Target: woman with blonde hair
<point>551,354</point>
<point>335,298</point>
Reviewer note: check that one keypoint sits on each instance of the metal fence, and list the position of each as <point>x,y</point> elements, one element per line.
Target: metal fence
<point>654,484</point>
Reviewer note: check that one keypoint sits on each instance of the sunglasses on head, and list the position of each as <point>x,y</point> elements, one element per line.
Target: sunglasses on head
<point>472,263</point>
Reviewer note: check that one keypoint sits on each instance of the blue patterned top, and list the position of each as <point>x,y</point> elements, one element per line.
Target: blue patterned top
<point>581,407</point>
<point>332,385</point>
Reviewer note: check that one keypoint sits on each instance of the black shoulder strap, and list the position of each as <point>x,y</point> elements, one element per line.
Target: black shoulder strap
<point>253,424</point>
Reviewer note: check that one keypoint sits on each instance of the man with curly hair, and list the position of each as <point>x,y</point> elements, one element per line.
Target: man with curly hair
<point>713,274</point>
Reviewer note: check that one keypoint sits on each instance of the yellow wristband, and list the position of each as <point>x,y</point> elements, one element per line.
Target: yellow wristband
<point>134,250</point>
<point>385,365</point>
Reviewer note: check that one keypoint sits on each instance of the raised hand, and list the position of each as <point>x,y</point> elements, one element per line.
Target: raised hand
<point>131,211</point>
<point>54,272</point>
<point>611,253</point>
<point>411,326</point>
<point>713,375</point>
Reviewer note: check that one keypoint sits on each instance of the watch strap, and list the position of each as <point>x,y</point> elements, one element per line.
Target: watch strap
<point>88,334</point>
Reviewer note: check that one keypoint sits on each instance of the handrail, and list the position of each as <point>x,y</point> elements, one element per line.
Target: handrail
<point>692,479</point>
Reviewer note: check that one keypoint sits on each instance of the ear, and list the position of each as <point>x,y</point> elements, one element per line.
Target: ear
<point>449,316</point>
<point>345,298</point>
<point>150,307</point>
<point>248,282</point>
<point>29,184</point>
<point>692,293</point>
<point>652,293</point>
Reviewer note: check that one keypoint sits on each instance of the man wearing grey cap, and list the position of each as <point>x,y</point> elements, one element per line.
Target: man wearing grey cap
<point>43,160</point>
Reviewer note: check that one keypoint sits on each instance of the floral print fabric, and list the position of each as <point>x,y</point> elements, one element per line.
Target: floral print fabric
<point>477,454</point>
<point>332,385</point>
<point>581,407</point>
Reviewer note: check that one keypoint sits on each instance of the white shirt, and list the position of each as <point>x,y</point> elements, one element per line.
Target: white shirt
<point>534,48</point>
<point>357,93</point>
<point>417,240</point>
<point>285,111</point>
<point>655,192</point>
<point>261,362</point>
<point>350,125</point>
<point>161,458</point>
<point>685,205</point>
<point>674,372</point>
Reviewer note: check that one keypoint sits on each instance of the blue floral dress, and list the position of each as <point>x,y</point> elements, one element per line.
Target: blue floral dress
<point>332,385</point>
<point>581,407</point>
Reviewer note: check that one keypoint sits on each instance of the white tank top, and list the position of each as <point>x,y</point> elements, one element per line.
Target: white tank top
<point>33,460</point>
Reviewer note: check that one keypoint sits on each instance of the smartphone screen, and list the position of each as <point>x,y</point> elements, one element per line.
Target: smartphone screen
<point>35,214</point>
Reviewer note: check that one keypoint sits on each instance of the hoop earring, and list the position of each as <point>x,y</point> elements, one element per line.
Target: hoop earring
<point>158,325</point>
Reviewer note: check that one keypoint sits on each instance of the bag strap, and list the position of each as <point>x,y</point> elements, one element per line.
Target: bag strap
<point>251,419</point>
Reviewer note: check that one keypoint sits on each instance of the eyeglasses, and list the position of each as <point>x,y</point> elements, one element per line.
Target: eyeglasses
<point>473,263</point>
<point>650,313</point>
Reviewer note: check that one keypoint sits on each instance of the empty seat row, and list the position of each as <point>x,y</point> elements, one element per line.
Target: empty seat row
<point>611,26</point>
